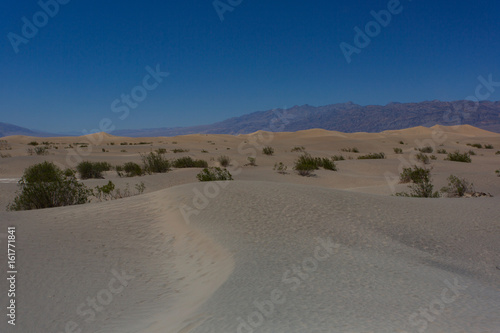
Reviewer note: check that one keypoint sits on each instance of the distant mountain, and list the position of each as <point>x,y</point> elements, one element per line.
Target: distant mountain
<point>346,117</point>
<point>9,129</point>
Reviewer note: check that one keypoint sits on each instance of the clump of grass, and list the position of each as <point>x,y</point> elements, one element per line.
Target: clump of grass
<point>336,158</point>
<point>214,174</point>
<point>421,186</point>
<point>401,142</point>
<point>251,161</point>
<point>426,149</point>
<point>442,151</point>
<point>398,150</point>
<point>488,146</point>
<point>306,164</point>
<point>188,162</point>
<point>42,151</point>
<point>224,160</point>
<point>268,151</point>
<point>204,151</point>
<point>498,152</point>
<point>475,145</point>
<point>433,157</point>
<point>299,149</point>
<point>472,152</point>
<point>180,150</point>
<point>155,163</point>
<point>459,157</point>
<point>423,158</point>
<point>280,168</point>
<point>123,144</point>
<point>372,156</point>
<point>5,155</point>
<point>457,187</point>
<point>497,172</point>
<point>350,150</point>
<point>33,143</point>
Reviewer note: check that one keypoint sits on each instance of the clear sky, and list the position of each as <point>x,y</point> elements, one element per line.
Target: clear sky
<point>87,55</point>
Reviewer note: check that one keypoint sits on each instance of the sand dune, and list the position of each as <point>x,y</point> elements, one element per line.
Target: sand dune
<point>266,252</point>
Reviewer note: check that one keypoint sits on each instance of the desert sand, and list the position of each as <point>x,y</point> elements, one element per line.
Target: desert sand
<point>267,252</point>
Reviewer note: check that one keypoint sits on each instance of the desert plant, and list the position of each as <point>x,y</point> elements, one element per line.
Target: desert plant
<point>224,160</point>
<point>350,150</point>
<point>472,152</point>
<point>44,185</point>
<point>459,157</point>
<point>41,151</point>
<point>401,142</point>
<point>442,151</point>
<point>423,158</point>
<point>498,152</point>
<point>414,174</point>
<point>433,157</point>
<point>300,149</point>
<point>497,172</point>
<point>5,155</point>
<point>475,145</point>
<point>104,192</point>
<point>251,161</point>
<point>88,169</point>
<point>426,149</point>
<point>457,187</point>
<point>155,163</point>
<point>327,164</point>
<point>33,143</point>
<point>488,146</point>
<point>204,151</point>
<point>180,150</point>
<point>280,168</point>
<point>268,151</point>
<point>188,162</point>
<point>398,150</point>
<point>214,174</point>
<point>131,169</point>
<point>305,165</point>
<point>338,158</point>
<point>161,151</point>
<point>372,156</point>
<point>422,185</point>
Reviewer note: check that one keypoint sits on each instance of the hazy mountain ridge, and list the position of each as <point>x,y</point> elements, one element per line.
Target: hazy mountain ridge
<point>344,117</point>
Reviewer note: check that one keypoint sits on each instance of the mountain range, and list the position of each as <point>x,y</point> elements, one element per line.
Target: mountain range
<point>344,117</point>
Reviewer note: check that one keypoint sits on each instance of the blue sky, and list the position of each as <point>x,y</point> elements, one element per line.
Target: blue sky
<point>263,55</point>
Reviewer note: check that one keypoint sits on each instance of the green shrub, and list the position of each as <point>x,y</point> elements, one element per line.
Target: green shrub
<point>155,163</point>
<point>426,149</point>
<point>161,151</point>
<point>214,174</point>
<point>472,152</point>
<point>305,164</point>
<point>423,158</point>
<point>338,158</point>
<point>224,160</point>
<point>299,149</point>
<point>268,151</point>
<point>327,164</point>
<point>401,142</point>
<point>204,151</point>
<point>442,151</point>
<point>44,185</point>
<point>457,187</point>
<point>475,145</point>
<point>488,146</point>
<point>33,143</point>
<point>433,157</point>
<point>188,162</point>
<point>350,150</point>
<point>89,170</point>
<point>497,172</point>
<point>41,151</point>
<point>498,152</point>
<point>180,150</point>
<point>459,157</point>
<point>422,185</point>
<point>398,150</point>
<point>372,156</point>
<point>131,169</point>
<point>251,161</point>
<point>280,168</point>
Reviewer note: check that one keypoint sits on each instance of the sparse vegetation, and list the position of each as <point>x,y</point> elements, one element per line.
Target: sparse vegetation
<point>401,142</point>
<point>5,155</point>
<point>110,192</point>
<point>41,151</point>
<point>472,152</point>
<point>299,149</point>
<point>398,150</point>
<point>350,150</point>
<point>88,170</point>
<point>280,168</point>
<point>421,186</point>
<point>204,151</point>
<point>306,164</point>
<point>442,151</point>
<point>188,162</point>
<point>488,146</point>
<point>498,152</point>
<point>161,151</point>
<point>44,185</point>
<point>33,143</point>
<point>336,158</point>
<point>475,145</point>
<point>131,169</point>
<point>459,157</point>
<point>457,187</point>
<point>372,156</point>
<point>180,150</point>
<point>423,158</point>
<point>251,161</point>
<point>214,174</point>
<point>155,163</point>
<point>224,160</point>
<point>268,151</point>
<point>426,149</point>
